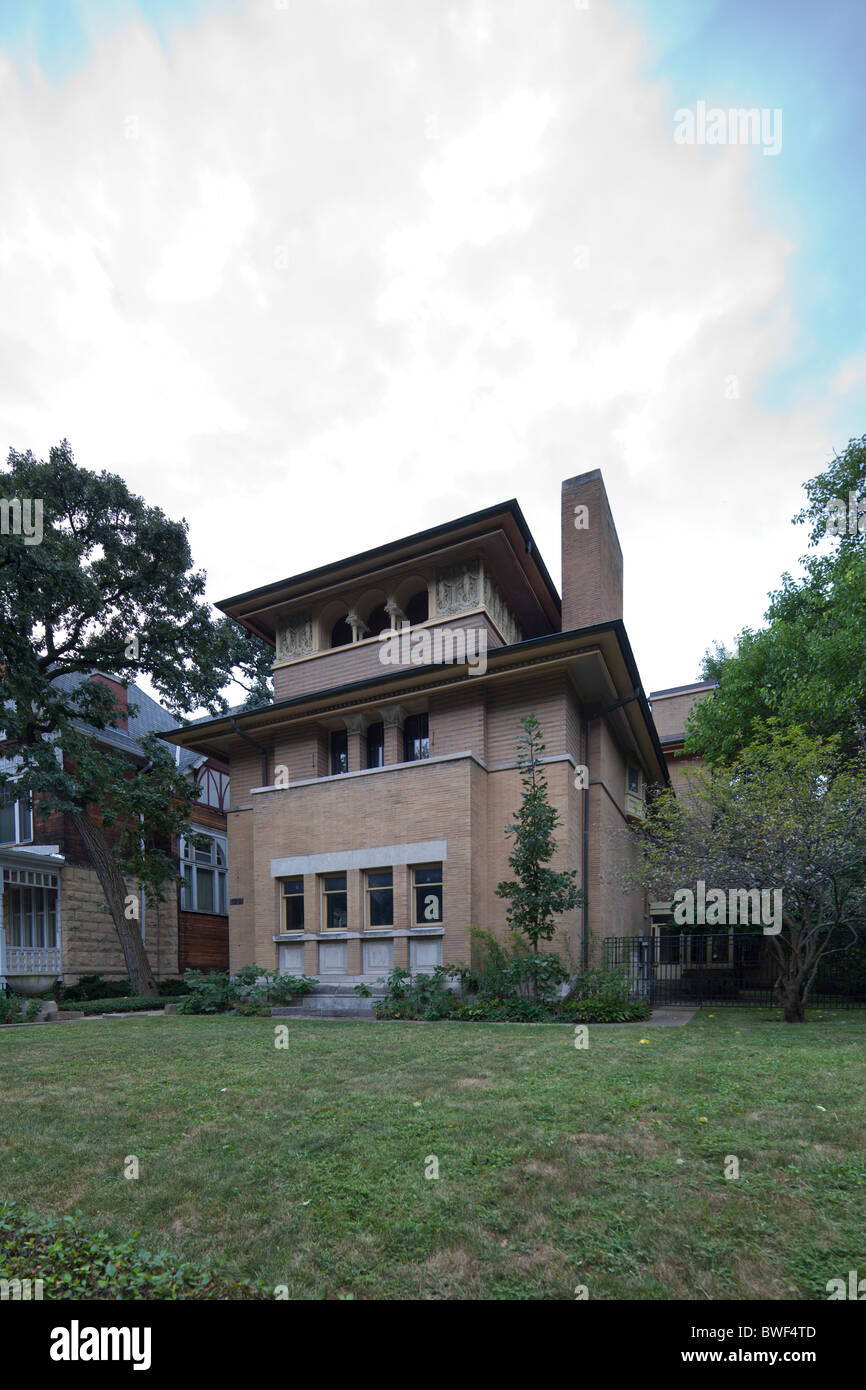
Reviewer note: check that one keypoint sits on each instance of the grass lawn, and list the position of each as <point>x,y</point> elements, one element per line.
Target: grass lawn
<point>557,1167</point>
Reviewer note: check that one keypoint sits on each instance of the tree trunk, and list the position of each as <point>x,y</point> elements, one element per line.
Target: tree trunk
<point>128,929</point>
<point>793,1001</point>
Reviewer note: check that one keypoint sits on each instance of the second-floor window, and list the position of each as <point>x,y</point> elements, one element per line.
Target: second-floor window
<point>416,738</point>
<point>16,818</point>
<point>339,752</point>
<point>376,745</point>
<point>204,875</point>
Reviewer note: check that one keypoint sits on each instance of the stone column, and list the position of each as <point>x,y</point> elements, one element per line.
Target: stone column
<point>393,717</point>
<point>356,724</point>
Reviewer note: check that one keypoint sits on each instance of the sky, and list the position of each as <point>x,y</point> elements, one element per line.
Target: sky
<point>317,274</point>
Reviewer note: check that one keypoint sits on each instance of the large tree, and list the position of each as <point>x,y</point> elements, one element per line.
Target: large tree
<point>109,587</point>
<point>787,815</point>
<point>806,666</point>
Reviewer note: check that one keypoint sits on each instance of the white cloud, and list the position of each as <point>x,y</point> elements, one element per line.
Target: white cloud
<point>316,277</point>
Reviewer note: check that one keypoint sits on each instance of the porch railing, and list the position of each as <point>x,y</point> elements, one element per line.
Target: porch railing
<point>31,960</point>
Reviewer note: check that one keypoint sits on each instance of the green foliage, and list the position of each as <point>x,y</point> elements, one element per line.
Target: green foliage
<point>788,815</point>
<point>806,666</point>
<point>112,1004</point>
<point>109,588</point>
<point>15,1008</point>
<point>251,991</point>
<point>519,987</point>
<point>537,894</point>
<point>96,987</point>
<point>77,1264</point>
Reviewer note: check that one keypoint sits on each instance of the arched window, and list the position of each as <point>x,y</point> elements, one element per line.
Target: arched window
<point>341,633</point>
<point>417,609</point>
<point>378,621</point>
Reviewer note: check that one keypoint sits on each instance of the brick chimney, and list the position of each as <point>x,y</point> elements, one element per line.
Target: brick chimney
<point>119,691</point>
<point>591,555</point>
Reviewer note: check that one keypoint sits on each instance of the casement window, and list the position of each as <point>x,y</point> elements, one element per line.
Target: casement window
<point>204,875</point>
<point>16,818</point>
<point>633,782</point>
<point>293,904</point>
<point>30,907</point>
<point>380,898</point>
<point>416,738</point>
<point>376,745</point>
<point>339,752</point>
<point>334,904</point>
<point>427,895</point>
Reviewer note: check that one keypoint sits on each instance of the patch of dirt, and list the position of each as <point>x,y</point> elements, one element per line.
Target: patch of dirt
<point>483,1082</point>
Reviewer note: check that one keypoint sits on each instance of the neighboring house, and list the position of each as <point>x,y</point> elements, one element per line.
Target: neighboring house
<point>370,799</point>
<point>54,921</point>
<point>671,709</point>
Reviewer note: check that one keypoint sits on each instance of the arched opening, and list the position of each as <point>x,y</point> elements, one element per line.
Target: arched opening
<point>418,608</point>
<point>341,633</point>
<point>378,621</point>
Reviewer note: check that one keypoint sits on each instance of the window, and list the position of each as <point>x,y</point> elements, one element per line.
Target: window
<point>293,904</point>
<point>16,818</point>
<point>416,738</point>
<point>204,875</point>
<point>214,786</point>
<point>30,907</point>
<point>334,912</point>
<point>634,781</point>
<point>417,609</point>
<point>341,634</point>
<point>380,898</point>
<point>339,752</point>
<point>376,745</point>
<point>427,895</point>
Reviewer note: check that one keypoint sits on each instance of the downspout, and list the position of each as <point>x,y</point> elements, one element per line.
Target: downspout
<point>587,721</point>
<point>258,747</point>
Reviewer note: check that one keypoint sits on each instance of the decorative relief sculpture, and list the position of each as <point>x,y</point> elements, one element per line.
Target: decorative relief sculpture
<point>457,589</point>
<point>295,637</point>
<point>500,612</point>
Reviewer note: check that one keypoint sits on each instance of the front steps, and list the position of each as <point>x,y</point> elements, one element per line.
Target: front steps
<point>331,1001</point>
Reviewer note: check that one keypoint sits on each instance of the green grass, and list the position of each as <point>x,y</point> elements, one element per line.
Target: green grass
<point>557,1167</point>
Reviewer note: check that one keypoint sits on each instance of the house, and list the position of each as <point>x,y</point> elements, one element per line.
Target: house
<point>370,798</point>
<point>54,921</point>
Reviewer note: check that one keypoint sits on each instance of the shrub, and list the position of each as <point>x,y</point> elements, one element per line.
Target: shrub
<point>132,1003</point>
<point>76,1264</point>
<point>251,991</point>
<point>16,1009</point>
<point>95,987</point>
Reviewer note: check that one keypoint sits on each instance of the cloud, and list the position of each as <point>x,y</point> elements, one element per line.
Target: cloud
<point>321,275</point>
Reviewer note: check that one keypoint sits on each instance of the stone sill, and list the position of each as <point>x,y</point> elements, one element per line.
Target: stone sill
<point>374,934</point>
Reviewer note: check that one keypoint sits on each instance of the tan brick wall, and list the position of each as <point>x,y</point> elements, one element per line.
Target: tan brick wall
<point>89,942</point>
<point>591,558</point>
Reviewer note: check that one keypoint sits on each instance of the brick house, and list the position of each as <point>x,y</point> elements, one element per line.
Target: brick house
<point>370,798</point>
<point>54,921</point>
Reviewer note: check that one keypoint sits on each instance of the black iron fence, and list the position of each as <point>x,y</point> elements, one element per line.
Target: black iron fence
<point>669,967</point>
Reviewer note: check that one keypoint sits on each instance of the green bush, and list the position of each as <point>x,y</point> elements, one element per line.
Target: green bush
<point>95,987</point>
<point>15,1008</point>
<point>132,1003</point>
<point>76,1264</point>
<point>511,984</point>
<point>252,991</point>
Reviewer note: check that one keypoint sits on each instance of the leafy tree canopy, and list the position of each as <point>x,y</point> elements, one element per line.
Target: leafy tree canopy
<point>807,667</point>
